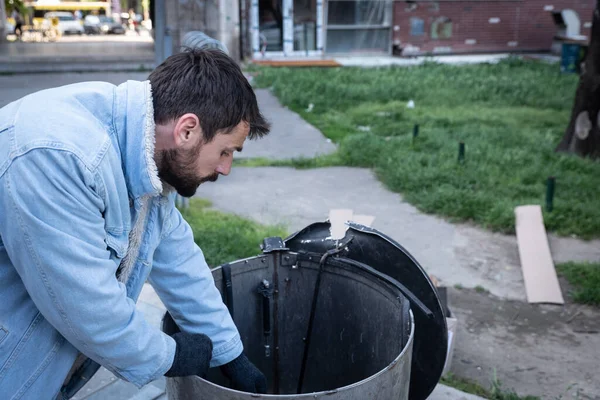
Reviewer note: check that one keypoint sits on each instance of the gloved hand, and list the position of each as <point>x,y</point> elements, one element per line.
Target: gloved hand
<point>192,354</point>
<point>244,375</point>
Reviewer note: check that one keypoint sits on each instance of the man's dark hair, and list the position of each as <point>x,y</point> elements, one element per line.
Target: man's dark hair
<point>208,83</point>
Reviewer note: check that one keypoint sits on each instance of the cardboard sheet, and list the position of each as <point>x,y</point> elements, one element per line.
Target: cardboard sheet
<point>541,282</point>
<point>339,217</point>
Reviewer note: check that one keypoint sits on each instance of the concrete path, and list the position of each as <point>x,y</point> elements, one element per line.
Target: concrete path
<point>293,138</point>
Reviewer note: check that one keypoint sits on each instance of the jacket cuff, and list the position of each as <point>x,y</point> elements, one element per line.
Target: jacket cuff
<point>165,363</point>
<point>227,352</point>
<point>168,359</point>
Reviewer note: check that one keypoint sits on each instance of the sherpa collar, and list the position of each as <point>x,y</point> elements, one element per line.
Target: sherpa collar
<point>135,128</point>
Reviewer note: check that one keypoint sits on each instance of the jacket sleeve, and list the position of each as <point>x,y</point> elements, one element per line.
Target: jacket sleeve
<point>184,282</point>
<point>52,226</point>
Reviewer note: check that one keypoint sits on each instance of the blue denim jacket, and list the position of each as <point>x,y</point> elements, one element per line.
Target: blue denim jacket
<point>77,175</point>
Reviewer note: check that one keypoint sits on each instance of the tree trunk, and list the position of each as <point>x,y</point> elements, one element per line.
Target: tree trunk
<point>582,136</point>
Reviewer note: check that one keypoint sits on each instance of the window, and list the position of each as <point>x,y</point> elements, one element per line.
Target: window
<point>417,27</point>
<point>362,12</point>
<point>358,26</point>
<point>441,28</point>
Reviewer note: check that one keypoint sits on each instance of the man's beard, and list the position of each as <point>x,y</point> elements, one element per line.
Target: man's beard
<point>177,169</point>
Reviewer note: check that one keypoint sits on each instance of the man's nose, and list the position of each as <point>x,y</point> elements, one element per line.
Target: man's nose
<point>224,168</point>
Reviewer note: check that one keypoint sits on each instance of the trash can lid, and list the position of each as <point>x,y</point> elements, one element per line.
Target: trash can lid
<point>375,249</point>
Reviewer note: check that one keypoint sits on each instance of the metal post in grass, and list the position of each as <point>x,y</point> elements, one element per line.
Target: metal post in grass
<point>415,132</point>
<point>550,184</point>
<point>461,152</point>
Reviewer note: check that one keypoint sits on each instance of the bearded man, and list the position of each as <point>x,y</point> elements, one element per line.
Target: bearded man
<point>88,177</point>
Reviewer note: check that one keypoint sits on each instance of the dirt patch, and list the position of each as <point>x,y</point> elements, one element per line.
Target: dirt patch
<point>540,350</point>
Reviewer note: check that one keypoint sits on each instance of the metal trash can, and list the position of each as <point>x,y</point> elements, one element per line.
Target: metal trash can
<point>321,324</point>
<point>573,54</point>
<point>200,40</point>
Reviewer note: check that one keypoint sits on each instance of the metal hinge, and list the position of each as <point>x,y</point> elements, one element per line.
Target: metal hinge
<point>271,244</point>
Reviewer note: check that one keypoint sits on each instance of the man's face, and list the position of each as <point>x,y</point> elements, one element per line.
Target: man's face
<point>186,169</point>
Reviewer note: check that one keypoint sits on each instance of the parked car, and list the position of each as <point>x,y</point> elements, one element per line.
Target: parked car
<point>97,24</point>
<point>67,24</point>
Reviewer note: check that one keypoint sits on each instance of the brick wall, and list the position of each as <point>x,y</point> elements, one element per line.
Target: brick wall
<point>485,26</point>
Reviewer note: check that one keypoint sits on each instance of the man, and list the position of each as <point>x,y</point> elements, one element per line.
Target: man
<point>18,18</point>
<point>88,175</point>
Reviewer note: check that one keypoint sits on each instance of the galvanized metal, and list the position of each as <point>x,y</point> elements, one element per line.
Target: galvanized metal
<point>200,40</point>
<point>362,340</point>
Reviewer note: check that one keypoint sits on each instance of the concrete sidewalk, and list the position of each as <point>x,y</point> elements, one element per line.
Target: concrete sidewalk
<point>65,56</point>
<point>13,87</point>
<point>293,138</point>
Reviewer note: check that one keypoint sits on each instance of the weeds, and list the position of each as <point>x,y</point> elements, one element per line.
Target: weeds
<point>585,279</point>
<point>226,237</point>
<point>510,116</point>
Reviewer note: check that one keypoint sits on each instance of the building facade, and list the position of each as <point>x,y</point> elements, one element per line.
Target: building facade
<point>467,26</point>
<point>313,28</point>
<point>297,29</point>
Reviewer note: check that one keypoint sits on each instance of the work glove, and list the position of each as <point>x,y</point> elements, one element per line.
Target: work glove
<point>192,354</point>
<point>244,375</point>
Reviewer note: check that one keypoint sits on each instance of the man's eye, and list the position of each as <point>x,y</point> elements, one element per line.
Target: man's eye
<point>225,154</point>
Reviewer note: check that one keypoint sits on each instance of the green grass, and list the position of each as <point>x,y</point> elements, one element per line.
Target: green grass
<point>495,392</point>
<point>480,289</point>
<point>510,116</point>
<point>226,237</point>
<point>585,279</point>
<point>465,385</point>
<point>299,163</point>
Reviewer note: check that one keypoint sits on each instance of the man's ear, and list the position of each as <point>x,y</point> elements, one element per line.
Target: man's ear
<point>187,132</point>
